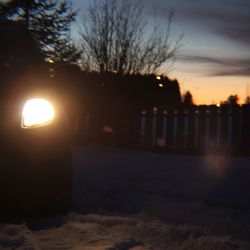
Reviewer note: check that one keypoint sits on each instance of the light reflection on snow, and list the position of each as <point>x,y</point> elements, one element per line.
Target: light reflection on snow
<point>216,165</point>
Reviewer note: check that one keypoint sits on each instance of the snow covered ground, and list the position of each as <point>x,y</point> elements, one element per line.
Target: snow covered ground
<point>138,200</point>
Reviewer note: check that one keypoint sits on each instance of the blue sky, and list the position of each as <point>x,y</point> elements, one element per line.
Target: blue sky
<point>214,60</point>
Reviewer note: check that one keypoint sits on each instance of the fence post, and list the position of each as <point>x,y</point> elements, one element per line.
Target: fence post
<point>196,129</point>
<point>207,126</point>
<point>175,130</point>
<point>218,129</point>
<point>240,129</point>
<point>164,127</point>
<point>154,123</point>
<point>185,128</point>
<point>230,130</point>
<point>143,127</point>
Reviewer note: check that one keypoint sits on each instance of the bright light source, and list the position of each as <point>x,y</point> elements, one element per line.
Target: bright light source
<point>160,85</point>
<point>158,77</point>
<point>218,105</point>
<point>36,113</point>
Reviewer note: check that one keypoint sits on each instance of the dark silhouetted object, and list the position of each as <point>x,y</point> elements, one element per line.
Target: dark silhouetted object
<point>187,99</point>
<point>112,102</point>
<point>247,101</point>
<point>35,168</point>
<point>50,23</point>
<point>233,100</point>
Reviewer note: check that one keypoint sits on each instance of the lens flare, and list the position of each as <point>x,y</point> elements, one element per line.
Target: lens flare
<point>36,113</point>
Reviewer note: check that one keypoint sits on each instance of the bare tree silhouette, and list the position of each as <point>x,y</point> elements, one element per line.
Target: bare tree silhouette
<point>115,38</point>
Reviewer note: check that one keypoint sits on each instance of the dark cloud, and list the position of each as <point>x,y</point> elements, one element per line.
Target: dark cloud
<point>230,24</point>
<point>232,72</point>
<point>220,66</point>
<point>227,18</point>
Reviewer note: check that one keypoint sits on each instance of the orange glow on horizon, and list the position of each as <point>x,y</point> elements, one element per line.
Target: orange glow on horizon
<point>212,90</point>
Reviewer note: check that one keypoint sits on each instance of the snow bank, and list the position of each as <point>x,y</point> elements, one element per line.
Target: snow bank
<point>133,200</point>
<point>102,232</point>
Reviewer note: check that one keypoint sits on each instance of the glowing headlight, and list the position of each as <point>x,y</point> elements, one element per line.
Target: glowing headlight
<point>36,113</point>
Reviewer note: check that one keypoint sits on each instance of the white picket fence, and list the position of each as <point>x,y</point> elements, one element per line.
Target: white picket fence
<point>191,130</point>
<point>196,130</point>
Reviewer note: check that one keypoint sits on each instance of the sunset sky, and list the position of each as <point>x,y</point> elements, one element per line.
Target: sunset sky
<point>214,60</point>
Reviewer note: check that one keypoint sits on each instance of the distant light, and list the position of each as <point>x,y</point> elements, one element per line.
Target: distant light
<point>158,77</point>
<point>160,142</point>
<point>155,110</point>
<point>108,130</point>
<point>160,85</point>
<point>50,61</point>
<point>218,105</point>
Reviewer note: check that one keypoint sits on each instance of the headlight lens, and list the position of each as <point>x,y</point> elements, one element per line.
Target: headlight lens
<point>37,112</point>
